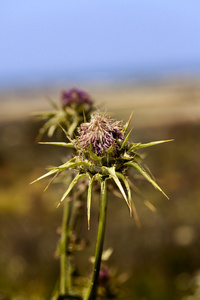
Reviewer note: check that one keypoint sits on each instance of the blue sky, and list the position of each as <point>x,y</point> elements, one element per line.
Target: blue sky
<point>41,38</point>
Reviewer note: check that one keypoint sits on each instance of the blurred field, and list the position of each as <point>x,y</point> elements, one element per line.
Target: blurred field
<point>163,256</point>
<point>161,103</point>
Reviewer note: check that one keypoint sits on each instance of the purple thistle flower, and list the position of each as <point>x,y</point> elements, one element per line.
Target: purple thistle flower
<point>75,96</point>
<point>101,133</point>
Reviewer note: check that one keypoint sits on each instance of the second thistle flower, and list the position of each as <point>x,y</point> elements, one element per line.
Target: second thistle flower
<point>74,106</point>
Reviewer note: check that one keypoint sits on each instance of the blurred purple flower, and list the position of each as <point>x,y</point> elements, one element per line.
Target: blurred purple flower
<point>75,96</point>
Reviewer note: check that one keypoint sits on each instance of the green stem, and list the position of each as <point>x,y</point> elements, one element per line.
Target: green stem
<point>65,276</point>
<point>99,245</point>
<point>70,214</point>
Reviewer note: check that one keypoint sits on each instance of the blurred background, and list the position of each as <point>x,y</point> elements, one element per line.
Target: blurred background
<point>140,56</point>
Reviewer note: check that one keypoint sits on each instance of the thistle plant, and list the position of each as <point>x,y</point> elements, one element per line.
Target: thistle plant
<point>102,153</point>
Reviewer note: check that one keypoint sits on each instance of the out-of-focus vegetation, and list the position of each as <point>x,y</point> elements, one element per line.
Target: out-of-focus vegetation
<point>160,259</point>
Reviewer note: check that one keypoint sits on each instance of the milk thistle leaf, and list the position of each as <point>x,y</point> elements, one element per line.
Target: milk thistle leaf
<point>52,103</point>
<point>126,139</point>
<point>131,205</point>
<point>110,149</point>
<point>52,179</point>
<point>45,128</point>
<point>51,130</point>
<point>46,175</point>
<point>72,164</point>
<point>72,127</point>
<point>140,145</point>
<point>94,156</point>
<point>43,115</point>
<point>61,168</point>
<point>123,178</point>
<point>137,191</point>
<point>150,205</point>
<point>62,144</point>
<point>72,184</point>
<point>146,175</point>
<point>113,175</point>
<point>127,123</point>
<point>135,156</point>
<point>66,133</point>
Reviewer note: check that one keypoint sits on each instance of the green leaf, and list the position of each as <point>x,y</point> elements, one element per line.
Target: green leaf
<point>72,164</point>
<point>146,202</point>
<point>52,103</point>
<point>123,178</point>
<point>45,127</point>
<point>126,157</point>
<point>61,168</point>
<point>55,170</point>
<point>110,149</point>
<point>72,127</point>
<point>51,130</point>
<point>93,155</point>
<point>44,114</point>
<point>146,175</point>
<point>126,139</point>
<point>127,123</point>
<point>69,145</point>
<point>140,145</point>
<point>66,133</point>
<point>112,172</point>
<point>72,184</point>
<point>135,156</point>
<point>131,204</point>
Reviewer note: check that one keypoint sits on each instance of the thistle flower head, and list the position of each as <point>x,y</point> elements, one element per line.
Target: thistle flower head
<point>75,105</point>
<point>75,96</point>
<point>100,133</point>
